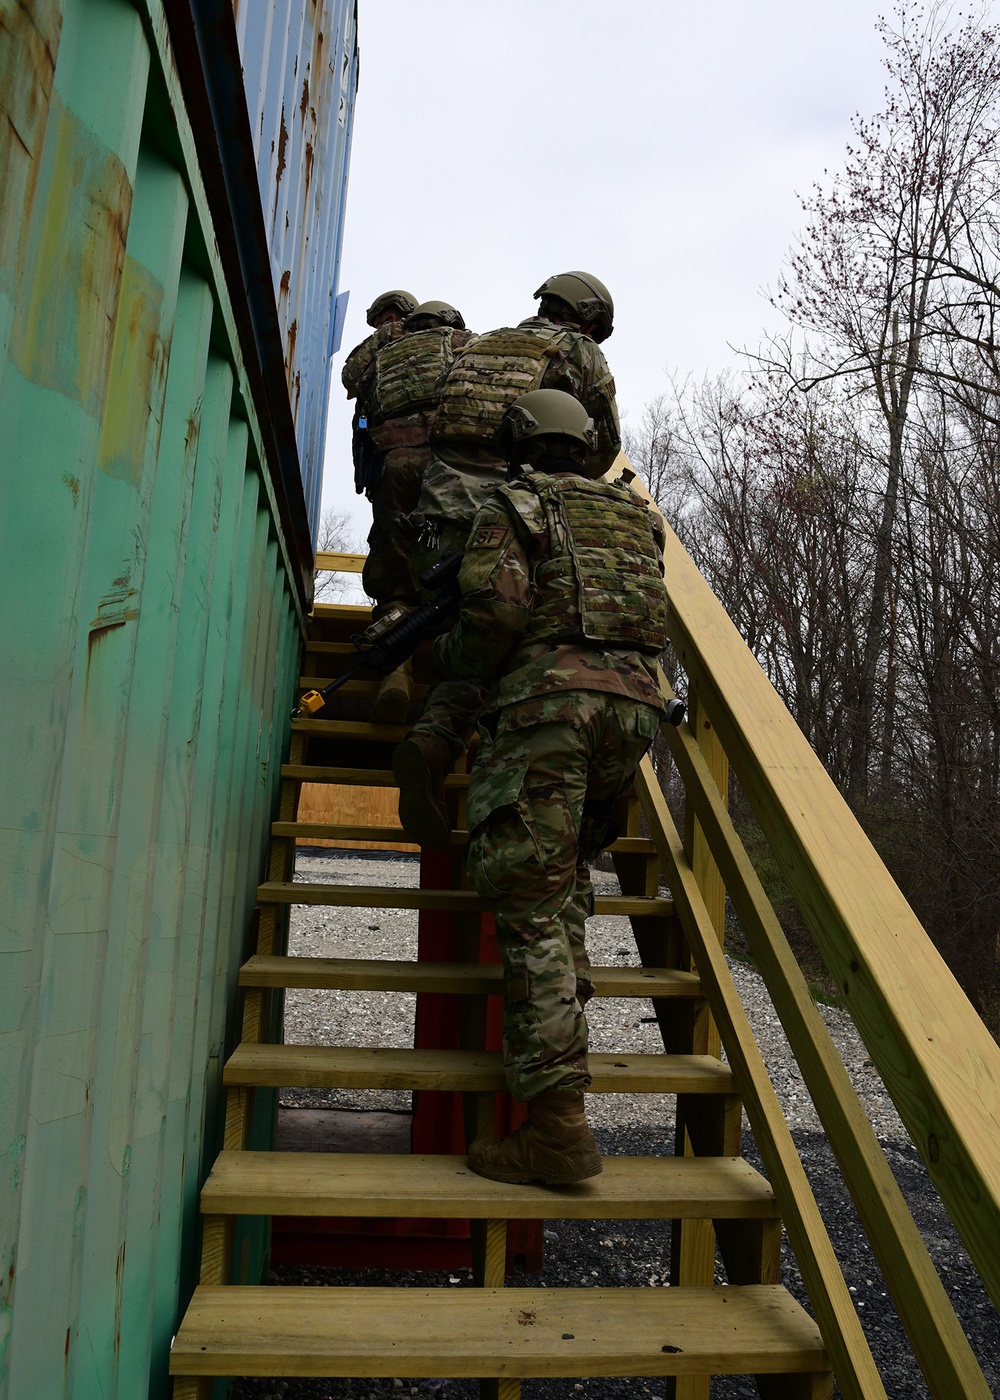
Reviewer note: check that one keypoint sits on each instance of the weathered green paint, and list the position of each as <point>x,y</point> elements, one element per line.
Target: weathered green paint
<point>149,653</point>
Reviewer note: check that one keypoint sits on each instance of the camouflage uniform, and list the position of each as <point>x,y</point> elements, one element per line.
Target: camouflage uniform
<point>502,365</point>
<point>398,393</point>
<point>466,462</point>
<point>362,355</point>
<point>564,611</point>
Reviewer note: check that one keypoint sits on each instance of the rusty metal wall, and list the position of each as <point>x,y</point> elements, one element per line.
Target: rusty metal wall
<point>152,613</point>
<point>300,70</point>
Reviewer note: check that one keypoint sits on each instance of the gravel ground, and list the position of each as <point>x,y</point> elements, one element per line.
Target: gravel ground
<point>616,1253</point>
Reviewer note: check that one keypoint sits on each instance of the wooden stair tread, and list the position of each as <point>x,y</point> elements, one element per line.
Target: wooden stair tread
<point>354,687</point>
<point>517,1332</point>
<point>366,1067</point>
<point>356,777</point>
<point>369,688</point>
<point>351,729</point>
<point>317,647</point>
<point>351,612</point>
<point>382,1184</point>
<point>333,831</point>
<point>368,974</point>
<point>457,901</point>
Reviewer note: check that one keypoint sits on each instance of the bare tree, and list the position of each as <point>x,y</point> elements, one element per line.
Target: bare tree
<point>893,245</point>
<point>334,537</point>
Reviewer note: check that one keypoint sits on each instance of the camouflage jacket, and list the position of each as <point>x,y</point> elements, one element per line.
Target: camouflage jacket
<point>362,357</point>
<point>503,559</point>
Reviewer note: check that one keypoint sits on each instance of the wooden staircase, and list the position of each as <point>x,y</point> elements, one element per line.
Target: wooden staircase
<point>684,1334</point>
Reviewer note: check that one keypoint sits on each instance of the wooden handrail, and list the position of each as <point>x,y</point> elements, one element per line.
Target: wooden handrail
<point>939,1343</point>
<point>856,1372</point>
<point>330,561</point>
<point>939,1063</point>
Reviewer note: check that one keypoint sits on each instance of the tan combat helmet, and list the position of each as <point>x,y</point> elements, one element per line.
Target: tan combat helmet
<point>400,302</point>
<point>589,299</point>
<point>543,419</point>
<point>434,313</point>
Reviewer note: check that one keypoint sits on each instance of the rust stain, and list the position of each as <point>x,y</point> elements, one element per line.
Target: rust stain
<point>192,432</point>
<point>310,155</point>
<point>29,38</point>
<point>284,283</point>
<point>113,612</point>
<point>73,482</point>
<point>304,104</point>
<point>293,333</point>
<point>282,143</point>
<point>138,375</point>
<point>119,1281</point>
<point>98,633</point>
<point>73,264</point>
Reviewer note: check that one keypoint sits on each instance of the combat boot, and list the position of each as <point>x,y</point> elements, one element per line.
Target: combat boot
<point>555,1146</point>
<point>420,765</point>
<point>394,696</point>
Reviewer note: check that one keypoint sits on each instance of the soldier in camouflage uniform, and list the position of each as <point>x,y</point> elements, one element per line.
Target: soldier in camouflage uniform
<point>564,613</point>
<point>399,390</point>
<point>385,316</point>
<point>557,349</point>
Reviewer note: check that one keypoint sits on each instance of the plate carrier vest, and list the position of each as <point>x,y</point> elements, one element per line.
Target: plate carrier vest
<point>408,372</point>
<point>489,376</point>
<point>601,577</point>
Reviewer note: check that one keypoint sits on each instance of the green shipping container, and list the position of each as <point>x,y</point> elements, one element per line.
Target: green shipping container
<point>155,570</point>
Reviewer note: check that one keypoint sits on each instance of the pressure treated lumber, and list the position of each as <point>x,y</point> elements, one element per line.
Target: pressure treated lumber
<point>317,648</point>
<point>456,901</point>
<point>337,562</point>
<point>356,777</point>
<point>376,975</point>
<point>351,729</point>
<point>338,1067</point>
<point>857,1374</point>
<point>522,1332</point>
<point>383,1184</point>
<point>330,831</point>
<point>939,1063</point>
<point>355,688</point>
<point>942,1350</point>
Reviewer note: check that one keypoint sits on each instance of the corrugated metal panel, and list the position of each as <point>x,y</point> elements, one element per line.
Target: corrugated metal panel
<point>152,614</point>
<point>300,69</point>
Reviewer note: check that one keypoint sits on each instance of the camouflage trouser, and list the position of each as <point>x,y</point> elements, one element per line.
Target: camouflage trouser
<point>389,575</point>
<point>545,769</point>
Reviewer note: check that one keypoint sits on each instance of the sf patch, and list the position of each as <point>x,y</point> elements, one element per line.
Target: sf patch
<point>490,537</point>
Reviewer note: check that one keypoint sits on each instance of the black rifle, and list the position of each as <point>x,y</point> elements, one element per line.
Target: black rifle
<point>388,642</point>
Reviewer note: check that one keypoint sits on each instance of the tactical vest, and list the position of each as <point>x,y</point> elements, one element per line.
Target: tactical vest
<point>408,371</point>
<point>359,362</point>
<point>601,578</point>
<point>489,376</point>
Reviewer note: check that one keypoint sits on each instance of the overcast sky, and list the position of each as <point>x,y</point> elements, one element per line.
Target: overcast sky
<point>658,144</point>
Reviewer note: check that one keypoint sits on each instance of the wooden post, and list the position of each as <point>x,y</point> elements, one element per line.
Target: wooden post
<point>693,1241</point>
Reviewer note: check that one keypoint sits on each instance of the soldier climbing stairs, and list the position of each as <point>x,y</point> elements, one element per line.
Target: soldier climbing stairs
<point>692,1330</point>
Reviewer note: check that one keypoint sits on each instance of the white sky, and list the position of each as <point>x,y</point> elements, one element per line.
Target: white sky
<point>658,144</point>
